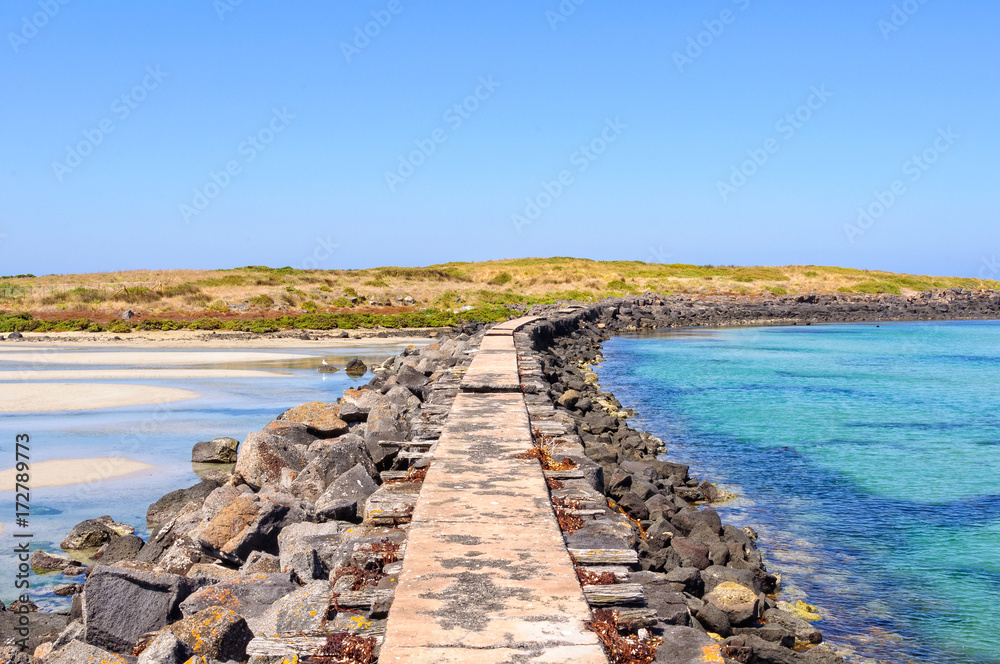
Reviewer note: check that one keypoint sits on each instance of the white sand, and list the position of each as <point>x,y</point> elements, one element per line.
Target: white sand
<point>37,397</point>
<point>139,358</point>
<point>324,339</point>
<point>64,472</point>
<point>128,374</point>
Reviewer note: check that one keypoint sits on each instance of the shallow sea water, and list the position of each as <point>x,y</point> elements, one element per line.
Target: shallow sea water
<point>865,455</point>
<point>161,435</point>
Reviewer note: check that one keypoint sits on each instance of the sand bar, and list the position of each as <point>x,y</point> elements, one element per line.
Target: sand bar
<point>317,339</point>
<point>39,397</point>
<point>64,472</point>
<point>139,358</point>
<point>129,374</point>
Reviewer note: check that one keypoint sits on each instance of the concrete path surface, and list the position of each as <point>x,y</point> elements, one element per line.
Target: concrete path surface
<point>487,577</point>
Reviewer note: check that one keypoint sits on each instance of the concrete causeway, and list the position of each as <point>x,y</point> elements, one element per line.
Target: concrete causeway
<point>487,577</point>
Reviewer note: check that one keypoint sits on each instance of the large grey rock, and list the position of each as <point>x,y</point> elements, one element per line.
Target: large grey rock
<point>661,596</point>
<point>714,619</point>
<point>739,603</point>
<point>216,633</point>
<point>262,458</point>
<point>303,610</point>
<point>217,450</point>
<point>249,523</point>
<point>338,456</point>
<point>42,627</point>
<point>713,575</point>
<point>126,600</point>
<point>249,595</point>
<point>684,645</point>
<point>92,533</point>
<point>259,562</point>
<point>126,547</point>
<point>166,648</point>
<point>309,548</point>
<point>289,433</point>
<point>169,505</point>
<point>163,537</point>
<point>344,499</point>
<point>802,630</point>
<point>321,419</point>
<point>402,399</point>
<point>385,422</point>
<point>356,367</point>
<point>77,652</point>
<point>311,482</point>
<point>46,562</point>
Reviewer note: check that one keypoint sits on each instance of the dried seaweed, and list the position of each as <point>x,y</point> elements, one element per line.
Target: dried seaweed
<point>568,523</point>
<point>385,550</point>
<point>588,578</point>
<point>621,649</point>
<point>542,448</point>
<point>362,577</point>
<point>412,475</point>
<point>554,485</point>
<point>345,648</point>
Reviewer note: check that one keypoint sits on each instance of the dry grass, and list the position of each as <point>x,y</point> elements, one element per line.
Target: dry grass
<point>267,291</point>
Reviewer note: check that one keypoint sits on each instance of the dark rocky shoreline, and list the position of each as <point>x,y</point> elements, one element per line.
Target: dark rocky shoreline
<point>307,533</point>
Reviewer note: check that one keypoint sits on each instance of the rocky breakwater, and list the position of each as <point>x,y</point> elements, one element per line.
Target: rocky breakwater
<point>650,312</point>
<point>292,553</point>
<point>655,559</point>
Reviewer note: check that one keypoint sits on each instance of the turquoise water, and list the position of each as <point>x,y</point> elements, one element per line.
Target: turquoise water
<point>866,456</point>
<point>161,435</point>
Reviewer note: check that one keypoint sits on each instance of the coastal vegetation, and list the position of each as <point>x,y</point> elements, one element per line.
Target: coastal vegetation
<point>259,299</point>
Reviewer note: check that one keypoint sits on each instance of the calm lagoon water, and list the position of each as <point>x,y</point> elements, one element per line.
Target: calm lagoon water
<point>866,456</point>
<point>161,435</point>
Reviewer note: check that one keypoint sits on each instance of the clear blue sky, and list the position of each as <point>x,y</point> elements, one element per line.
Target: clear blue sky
<point>666,124</point>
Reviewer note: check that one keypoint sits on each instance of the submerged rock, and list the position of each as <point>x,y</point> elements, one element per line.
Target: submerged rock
<point>92,533</point>
<point>217,450</point>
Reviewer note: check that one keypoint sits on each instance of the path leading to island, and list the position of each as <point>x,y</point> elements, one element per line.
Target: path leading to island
<point>487,577</point>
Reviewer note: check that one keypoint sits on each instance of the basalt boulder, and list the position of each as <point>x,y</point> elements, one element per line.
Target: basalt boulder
<point>217,450</point>
<point>169,505</point>
<point>321,419</point>
<point>92,533</point>
<point>249,523</point>
<point>216,633</point>
<point>263,457</point>
<point>128,599</point>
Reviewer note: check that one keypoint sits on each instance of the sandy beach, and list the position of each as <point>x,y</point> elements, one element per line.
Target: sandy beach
<point>130,374</point>
<point>140,358</point>
<point>46,397</point>
<point>64,472</point>
<point>313,339</point>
